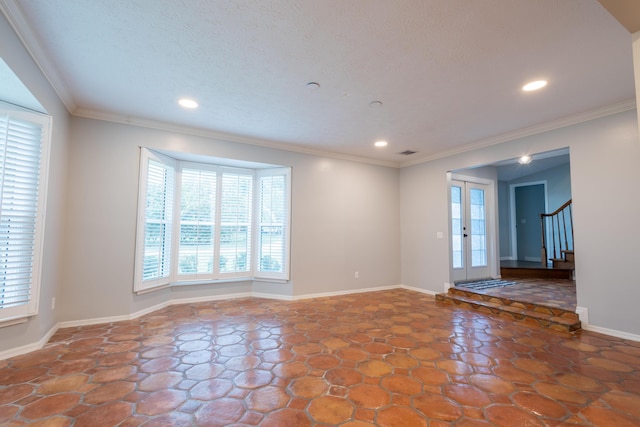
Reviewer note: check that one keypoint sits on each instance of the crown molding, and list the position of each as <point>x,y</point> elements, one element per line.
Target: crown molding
<point>499,139</point>
<point>598,113</point>
<point>226,137</point>
<point>14,14</point>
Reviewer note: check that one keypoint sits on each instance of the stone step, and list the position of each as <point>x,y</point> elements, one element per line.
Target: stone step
<point>547,317</point>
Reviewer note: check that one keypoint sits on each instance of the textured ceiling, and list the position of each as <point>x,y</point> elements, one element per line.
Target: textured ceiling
<point>448,73</point>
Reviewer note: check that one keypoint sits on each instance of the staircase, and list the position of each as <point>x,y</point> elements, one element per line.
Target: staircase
<point>532,314</point>
<point>559,225</point>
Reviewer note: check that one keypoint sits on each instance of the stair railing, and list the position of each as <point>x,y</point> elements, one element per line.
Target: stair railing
<point>561,231</point>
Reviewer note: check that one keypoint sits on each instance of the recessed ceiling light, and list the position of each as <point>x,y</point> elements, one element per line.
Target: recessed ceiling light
<point>380,144</point>
<point>188,103</point>
<point>375,104</point>
<point>525,160</point>
<point>538,84</point>
<point>313,85</point>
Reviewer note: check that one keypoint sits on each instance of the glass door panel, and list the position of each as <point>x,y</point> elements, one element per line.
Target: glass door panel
<point>478,228</point>
<point>456,226</point>
<point>469,240</point>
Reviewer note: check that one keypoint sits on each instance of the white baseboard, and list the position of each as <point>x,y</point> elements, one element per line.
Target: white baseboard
<point>140,313</point>
<point>272,296</point>
<point>17,351</point>
<point>583,315</point>
<point>612,332</point>
<point>346,292</point>
<point>422,291</point>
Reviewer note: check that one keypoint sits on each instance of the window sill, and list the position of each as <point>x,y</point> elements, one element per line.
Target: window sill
<point>14,321</point>
<point>229,280</point>
<point>211,282</point>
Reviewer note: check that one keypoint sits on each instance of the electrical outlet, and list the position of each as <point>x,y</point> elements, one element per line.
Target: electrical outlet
<point>356,275</point>
<point>53,303</point>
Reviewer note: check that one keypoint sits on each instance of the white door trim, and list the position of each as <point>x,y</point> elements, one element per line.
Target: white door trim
<point>493,249</point>
<point>512,212</point>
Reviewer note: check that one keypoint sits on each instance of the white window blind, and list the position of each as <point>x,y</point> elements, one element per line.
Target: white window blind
<point>153,257</point>
<point>22,140</point>
<point>235,222</point>
<point>200,222</point>
<point>273,223</point>
<point>197,221</point>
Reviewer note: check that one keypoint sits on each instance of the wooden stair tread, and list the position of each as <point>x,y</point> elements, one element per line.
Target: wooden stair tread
<point>539,273</point>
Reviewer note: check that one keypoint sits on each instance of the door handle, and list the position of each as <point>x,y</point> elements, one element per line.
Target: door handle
<point>464,235</point>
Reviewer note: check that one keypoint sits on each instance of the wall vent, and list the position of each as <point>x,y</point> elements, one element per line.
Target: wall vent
<point>408,152</point>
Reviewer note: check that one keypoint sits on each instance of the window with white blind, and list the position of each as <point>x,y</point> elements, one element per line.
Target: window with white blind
<point>236,223</point>
<point>272,221</point>
<point>24,147</point>
<point>229,222</point>
<point>196,250</point>
<point>155,219</point>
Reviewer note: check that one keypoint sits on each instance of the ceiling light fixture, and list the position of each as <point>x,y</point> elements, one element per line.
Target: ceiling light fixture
<point>375,104</point>
<point>313,85</point>
<point>188,103</point>
<point>531,86</point>
<point>525,160</point>
<point>380,144</point>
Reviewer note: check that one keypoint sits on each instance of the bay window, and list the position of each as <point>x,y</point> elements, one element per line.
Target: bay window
<point>200,222</point>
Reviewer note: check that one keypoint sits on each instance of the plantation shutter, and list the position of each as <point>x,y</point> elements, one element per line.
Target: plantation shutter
<point>20,164</point>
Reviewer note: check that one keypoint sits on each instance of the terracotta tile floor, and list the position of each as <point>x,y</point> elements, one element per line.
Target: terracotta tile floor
<point>389,358</point>
<point>550,292</point>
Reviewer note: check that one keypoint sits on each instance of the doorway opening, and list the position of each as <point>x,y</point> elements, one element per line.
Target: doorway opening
<point>528,200</point>
<point>522,193</point>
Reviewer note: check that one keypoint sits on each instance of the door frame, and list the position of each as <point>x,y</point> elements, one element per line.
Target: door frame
<point>491,203</point>
<point>512,213</point>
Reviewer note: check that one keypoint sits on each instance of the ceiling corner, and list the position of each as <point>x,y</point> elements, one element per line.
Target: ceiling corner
<point>12,11</point>
<point>627,12</point>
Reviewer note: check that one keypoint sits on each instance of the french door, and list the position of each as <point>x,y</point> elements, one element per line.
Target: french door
<point>469,236</point>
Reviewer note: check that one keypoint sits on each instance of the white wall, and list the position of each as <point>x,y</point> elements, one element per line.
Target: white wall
<point>345,218</point>
<point>558,184</point>
<point>18,59</point>
<point>604,179</point>
<point>558,192</point>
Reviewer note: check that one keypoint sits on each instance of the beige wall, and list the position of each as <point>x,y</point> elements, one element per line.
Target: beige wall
<point>18,59</point>
<point>345,218</point>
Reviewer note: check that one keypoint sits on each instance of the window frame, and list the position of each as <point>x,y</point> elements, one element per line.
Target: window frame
<point>257,259</point>
<point>141,285</point>
<point>20,313</point>
<point>222,167</point>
